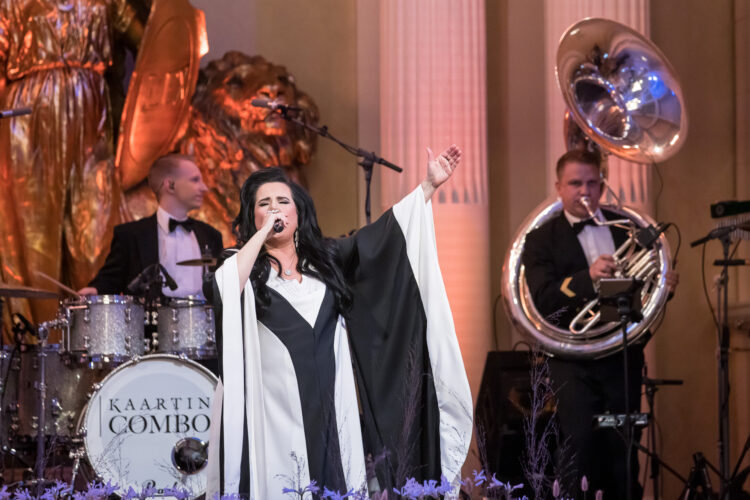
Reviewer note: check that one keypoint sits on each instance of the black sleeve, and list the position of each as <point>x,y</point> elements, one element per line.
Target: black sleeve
<point>112,277</point>
<point>556,292</point>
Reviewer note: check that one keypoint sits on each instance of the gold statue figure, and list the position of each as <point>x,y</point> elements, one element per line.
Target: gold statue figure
<point>59,191</point>
<point>230,138</point>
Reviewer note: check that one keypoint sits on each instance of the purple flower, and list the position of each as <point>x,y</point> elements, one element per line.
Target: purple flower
<point>412,489</point>
<point>148,492</point>
<point>335,495</point>
<point>479,478</point>
<point>312,488</point>
<point>110,488</point>
<point>4,494</point>
<point>445,486</point>
<point>178,493</point>
<point>23,495</point>
<point>506,487</point>
<point>130,494</point>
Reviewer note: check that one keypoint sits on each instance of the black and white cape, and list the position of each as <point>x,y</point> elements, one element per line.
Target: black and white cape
<point>324,391</point>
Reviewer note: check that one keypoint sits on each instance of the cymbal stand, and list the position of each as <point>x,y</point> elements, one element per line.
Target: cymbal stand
<point>42,333</point>
<point>41,388</point>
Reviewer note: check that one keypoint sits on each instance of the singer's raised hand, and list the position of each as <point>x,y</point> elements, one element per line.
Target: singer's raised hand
<point>440,169</point>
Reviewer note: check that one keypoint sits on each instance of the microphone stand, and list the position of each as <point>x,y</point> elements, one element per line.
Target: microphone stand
<point>620,301</point>
<point>652,385</point>
<point>724,235</point>
<point>367,158</point>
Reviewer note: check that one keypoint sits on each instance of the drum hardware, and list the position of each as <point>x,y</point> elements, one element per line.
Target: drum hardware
<point>76,454</point>
<point>42,332</point>
<point>205,260</point>
<point>190,455</point>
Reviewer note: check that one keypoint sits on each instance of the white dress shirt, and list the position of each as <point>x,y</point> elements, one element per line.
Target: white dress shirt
<point>175,247</point>
<point>595,240</point>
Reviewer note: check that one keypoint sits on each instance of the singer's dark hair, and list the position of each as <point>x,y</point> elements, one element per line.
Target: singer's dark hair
<point>316,255</point>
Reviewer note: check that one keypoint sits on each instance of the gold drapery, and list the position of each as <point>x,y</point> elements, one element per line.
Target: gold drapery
<point>59,193</point>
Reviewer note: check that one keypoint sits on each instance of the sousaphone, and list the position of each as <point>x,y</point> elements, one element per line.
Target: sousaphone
<point>623,98</point>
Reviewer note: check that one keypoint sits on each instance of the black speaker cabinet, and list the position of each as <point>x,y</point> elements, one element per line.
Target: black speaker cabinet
<point>504,398</point>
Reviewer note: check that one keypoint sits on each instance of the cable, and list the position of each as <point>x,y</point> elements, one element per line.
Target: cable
<point>679,243</point>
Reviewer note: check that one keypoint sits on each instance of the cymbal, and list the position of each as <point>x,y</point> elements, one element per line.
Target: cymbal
<point>25,292</point>
<point>203,261</point>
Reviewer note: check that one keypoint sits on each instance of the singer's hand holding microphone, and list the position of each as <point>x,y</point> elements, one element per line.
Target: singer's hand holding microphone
<point>275,222</point>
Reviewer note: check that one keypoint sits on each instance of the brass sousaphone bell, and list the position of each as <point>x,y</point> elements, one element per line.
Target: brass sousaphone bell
<point>623,98</point>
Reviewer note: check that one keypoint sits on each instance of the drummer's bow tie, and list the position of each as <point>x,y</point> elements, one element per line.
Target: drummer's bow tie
<point>186,224</point>
<point>578,226</point>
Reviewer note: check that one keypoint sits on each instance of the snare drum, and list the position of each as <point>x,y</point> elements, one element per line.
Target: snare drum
<point>147,425</point>
<point>186,326</point>
<point>68,387</point>
<point>104,329</point>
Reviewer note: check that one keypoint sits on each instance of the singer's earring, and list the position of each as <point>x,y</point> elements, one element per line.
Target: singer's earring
<point>296,239</point>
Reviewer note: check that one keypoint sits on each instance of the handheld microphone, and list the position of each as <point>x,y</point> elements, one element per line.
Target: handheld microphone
<point>278,226</point>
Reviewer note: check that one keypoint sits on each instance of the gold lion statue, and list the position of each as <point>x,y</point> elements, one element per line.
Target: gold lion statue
<point>230,138</point>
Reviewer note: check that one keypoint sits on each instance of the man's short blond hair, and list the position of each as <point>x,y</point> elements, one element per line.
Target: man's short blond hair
<point>163,168</point>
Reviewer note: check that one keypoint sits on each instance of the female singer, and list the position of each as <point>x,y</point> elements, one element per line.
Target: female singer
<point>335,350</point>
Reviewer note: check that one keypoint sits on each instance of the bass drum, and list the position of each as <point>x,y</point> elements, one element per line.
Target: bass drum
<point>147,425</point>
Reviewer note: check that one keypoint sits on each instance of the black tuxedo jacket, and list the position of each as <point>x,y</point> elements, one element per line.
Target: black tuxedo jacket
<point>557,272</point>
<point>135,245</point>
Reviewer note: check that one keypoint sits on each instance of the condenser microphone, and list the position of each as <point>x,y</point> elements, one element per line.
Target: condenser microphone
<point>272,105</point>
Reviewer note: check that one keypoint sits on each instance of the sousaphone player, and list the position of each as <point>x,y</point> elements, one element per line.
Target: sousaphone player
<point>624,96</point>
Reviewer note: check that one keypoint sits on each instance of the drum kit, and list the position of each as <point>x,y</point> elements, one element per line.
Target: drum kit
<point>125,408</point>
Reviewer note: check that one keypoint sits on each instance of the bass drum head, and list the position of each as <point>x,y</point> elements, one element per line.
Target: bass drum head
<point>147,425</point>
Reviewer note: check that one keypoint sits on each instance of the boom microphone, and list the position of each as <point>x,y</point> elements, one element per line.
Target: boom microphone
<point>169,280</point>
<point>9,113</point>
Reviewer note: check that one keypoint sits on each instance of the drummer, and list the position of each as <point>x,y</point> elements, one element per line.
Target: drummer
<point>167,237</point>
